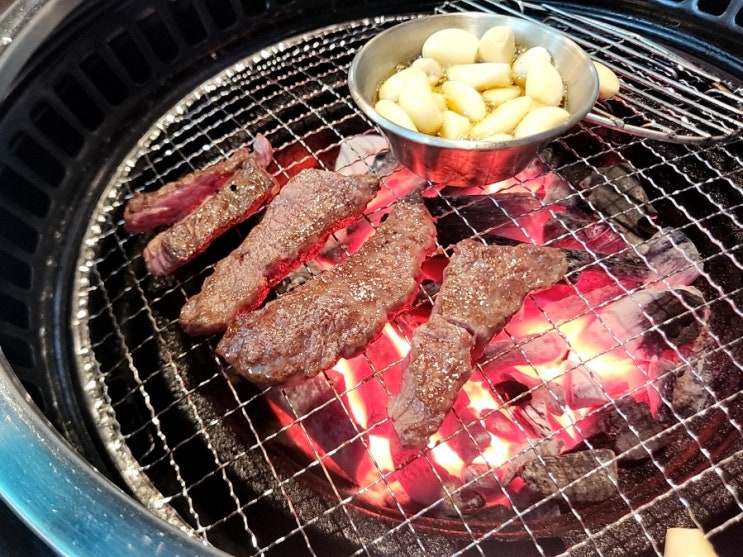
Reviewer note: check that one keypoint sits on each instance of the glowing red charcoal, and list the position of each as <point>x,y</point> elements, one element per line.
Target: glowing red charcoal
<point>541,386</point>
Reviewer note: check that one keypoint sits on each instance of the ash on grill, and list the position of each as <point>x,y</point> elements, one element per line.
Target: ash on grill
<point>566,397</point>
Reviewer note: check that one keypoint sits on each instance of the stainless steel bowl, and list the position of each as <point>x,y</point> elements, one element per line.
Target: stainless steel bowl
<point>464,162</point>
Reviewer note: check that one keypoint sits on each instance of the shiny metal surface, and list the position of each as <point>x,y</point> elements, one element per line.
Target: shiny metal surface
<point>460,162</point>
<point>63,499</point>
<point>60,497</point>
<point>23,27</point>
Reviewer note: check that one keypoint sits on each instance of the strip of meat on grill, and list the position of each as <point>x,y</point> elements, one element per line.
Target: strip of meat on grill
<point>337,314</point>
<point>483,287</point>
<point>296,224</point>
<point>246,192</point>
<point>148,210</point>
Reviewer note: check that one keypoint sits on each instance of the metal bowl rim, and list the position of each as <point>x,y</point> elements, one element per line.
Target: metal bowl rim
<point>468,144</point>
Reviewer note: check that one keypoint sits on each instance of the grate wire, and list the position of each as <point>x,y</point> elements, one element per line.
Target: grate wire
<point>294,93</point>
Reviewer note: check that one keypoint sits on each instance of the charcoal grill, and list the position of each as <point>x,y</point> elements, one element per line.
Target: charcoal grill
<point>123,97</point>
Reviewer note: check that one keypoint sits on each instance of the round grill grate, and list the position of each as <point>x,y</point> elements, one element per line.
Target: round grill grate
<point>204,451</point>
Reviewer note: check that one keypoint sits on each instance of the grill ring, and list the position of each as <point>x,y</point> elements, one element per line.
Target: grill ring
<point>62,341</point>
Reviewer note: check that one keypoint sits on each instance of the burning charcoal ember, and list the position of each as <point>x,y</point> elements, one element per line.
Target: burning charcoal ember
<point>483,287</point>
<point>467,440</point>
<point>576,230</point>
<point>359,154</point>
<point>645,322</point>
<point>565,304</point>
<point>672,257</point>
<point>552,395</point>
<point>248,189</point>
<point>628,424</point>
<point>584,389</point>
<point>294,229</point>
<point>486,477</point>
<point>691,388</point>
<point>624,266</point>
<point>535,350</point>
<point>421,480</point>
<point>492,218</point>
<point>337,314</point>
<point>536,417</point>
<point>616,192</point>
<point>589,476</point>
<point>482,426</point>
<point>310,406</point>
<point>658,319</point>
<point>459,217</point>
<point>562,193</point>
<point>299,276</point>
<point>668,255</point>
<point>510,390</point>
<point>458,500</point>
<point>490,478</point>
<point>371,154</point>
<point>573,171</point>
<point>174,200</point>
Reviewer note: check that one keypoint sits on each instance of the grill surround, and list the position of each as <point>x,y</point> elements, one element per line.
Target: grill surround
<point>56,393</point>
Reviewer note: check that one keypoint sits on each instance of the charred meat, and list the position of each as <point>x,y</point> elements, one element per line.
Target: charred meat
<point>337,314</point>
<point>483,287</point>
<point>173,201</point>
<point>248,189</point>
<point>311,206</point>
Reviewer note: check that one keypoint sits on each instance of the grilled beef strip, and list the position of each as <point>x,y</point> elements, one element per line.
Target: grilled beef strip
<point>147,210</point>
<point>311,206</point>
<point>483,287</point>
<point>338,313</point>
<point>248,189</point>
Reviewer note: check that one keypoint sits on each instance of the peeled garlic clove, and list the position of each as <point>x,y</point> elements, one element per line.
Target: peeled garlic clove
<point>455,126</point>
<point>451,46</point>
<point>541,119</point>
<point>391,87</point>
<point>521,65</point>
<point>497,45</point>
<point>608,81</point>
<point>494,97</point>
<point>464,99</point>
<point>394,113</point>
<point>544,83</point>
<point>687,542</point>
<point>503,119</point>
<point>481,76</point>
<point>431,67</point>
<point>418,100</point>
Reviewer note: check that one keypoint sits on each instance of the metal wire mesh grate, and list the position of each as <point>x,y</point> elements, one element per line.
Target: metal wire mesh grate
<point>664,95</point>
<point>209,452</point>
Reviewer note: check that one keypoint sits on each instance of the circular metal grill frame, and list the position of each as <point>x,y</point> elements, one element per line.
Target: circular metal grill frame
<point>111,201</point>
